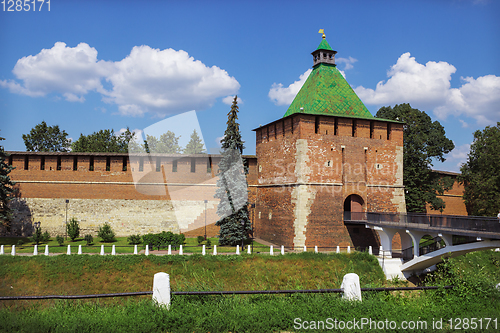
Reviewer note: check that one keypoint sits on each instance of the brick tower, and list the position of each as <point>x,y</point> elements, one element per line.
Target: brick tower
<point>326,156</point>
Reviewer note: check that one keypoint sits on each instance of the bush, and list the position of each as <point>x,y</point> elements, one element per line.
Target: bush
<point>73,229</point>
<point>89,239</point>
<point>106,233</point>
<point>134,239</point>
<point>163,239</point>
<point>60,240</point>
<point>46,237</point>
<point>200,239</point>
<point>20,242</point>
<point>209,242</point>
<point>37,235</point>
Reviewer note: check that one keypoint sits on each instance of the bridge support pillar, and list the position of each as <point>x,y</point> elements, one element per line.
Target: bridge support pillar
<point>448,239</point>
<point>416,236</point>
<point>386,235</point>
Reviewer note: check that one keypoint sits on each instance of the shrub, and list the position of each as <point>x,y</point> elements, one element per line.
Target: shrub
<point>73,229</point>
<point>37,235</point>
<point>200,239</point>
<point>20,242</point>
<point>60,240</point>
<point>46,237</point>
<point>163,239</point>
<point>89,239</point>
<point>209,242</point>
<point>134,239</point>
<point>106,233</point>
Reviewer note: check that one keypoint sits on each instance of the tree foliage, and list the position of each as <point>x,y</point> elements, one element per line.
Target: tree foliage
<point>73,229</point>
<point>46,138</point>
<point>480,174</point>
<point>195,145</point>
<point>104,141</point>
<point>424,140</point>
<point>232,191</point>
<point>6,191</point>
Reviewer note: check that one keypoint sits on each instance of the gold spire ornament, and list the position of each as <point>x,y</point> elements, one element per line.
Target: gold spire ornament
<point>322,31</point>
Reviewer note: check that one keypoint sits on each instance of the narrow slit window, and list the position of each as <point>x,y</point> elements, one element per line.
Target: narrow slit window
<point>108,163</point>
<point>158,164</point>
<point>91,163</point>
<point>58,163</point>
<point>354,127</point>
<point>283,128</point>
<point>174,166</point>
<point>193,165</point>
<point>335,127</point>
<point>26,162</point>
<point>209,165</point>
<point>124,166</point>
<point>10,160</point>
<point>316,125</point>
<point>75,163</point>
<point>42,163</point>
<point>388,131</point>
<point>371,129</point>
<point>141,164</point>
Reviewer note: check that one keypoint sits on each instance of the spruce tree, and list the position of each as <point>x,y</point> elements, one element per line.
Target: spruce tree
<point>6,190</point>
<point>232,189</point>
<point>195,145</point>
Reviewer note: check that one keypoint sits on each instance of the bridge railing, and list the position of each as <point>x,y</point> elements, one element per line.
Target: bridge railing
<point>474,223</point>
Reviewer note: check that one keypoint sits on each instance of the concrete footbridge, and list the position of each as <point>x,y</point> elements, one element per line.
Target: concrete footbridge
<point>446,236</point>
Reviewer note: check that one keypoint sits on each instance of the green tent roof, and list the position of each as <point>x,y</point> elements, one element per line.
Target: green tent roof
<point>326,92</point>
<point>324,45</point>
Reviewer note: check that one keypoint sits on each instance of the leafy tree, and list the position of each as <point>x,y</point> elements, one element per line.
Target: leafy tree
<point>168,144</point>
<point>195,145</point>
<point>46,138</point>
<point>424,140</point>
<point>480,175</point>
<point>73,229</point>
<point>104,141</point>
<point>6,191</point>
<point>151,144</point>
<point>89,239</point>
<point>234,224</point>
<point>106,233</point>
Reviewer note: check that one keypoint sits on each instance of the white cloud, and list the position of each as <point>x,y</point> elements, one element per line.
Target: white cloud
<point>284,96</point>
<point>217,141</point>
<point>229,100</point>
<point>428,87</point>
<point>347,61</point>
<point>147,80</point>
<point>459,155</point>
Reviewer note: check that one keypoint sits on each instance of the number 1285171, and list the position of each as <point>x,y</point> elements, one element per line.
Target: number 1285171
<point>25,5</point>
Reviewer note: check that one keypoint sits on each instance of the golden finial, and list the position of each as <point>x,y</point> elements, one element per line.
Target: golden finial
<point>322,31</point>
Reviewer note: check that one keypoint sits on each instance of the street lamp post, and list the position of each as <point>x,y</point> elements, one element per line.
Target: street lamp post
<point>206,219</point>
<point>253,217</point>
<point>37,232</point>
<point>66,223</point>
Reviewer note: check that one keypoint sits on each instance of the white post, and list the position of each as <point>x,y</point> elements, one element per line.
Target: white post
<point>282,249</point>
<point>338,249</point>
<point>237,249</point>
<point>46,250</point>
<point>381,251</point>
<point>181,252</point>
<point>113,250</point>
<point>102,250</point>
<point>349,249</point>
<point>249,250</point>
<point>169,249</point>
<point>215,250</point>
<point>69,250</point>
<point>13,252</point>
<point>80,249</point>
<point>203,250</point>
<point>35,250</point>
<point>351,288</point>
<point>135,249</point>
<point>305,248</point>
<point>315,249</point>
<point>161,289</point>
<point>370,251</point>
<point>146,252</point>
<point>271,250</point>
<point>1,250</point>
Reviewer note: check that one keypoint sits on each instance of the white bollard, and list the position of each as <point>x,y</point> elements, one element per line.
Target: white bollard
<point>35,250</point>
<point>146,252</point>
<point>203,250</point>
<point>282,249</point>
<point>80,249</point>
<point>215,250</point>
<point>181,250</point>
<point>161,289</point>
<point>13,252</point>
<point>370,251</point>
<point>349,249</point>
<point>315,249</point>
<point>338,249</point>
<point>69,250</point>
<point>46,250</point>
<point>1,249</point>
<point>135,249</point>
<point>169,249</point>
<point>102,250</point>
<point>271,252</point>
<point>350,287</point>
<point>381,251</point>
<point>249,250</point>
<point>237,249</point>
<point>113,250</point>
<point>305,248</point>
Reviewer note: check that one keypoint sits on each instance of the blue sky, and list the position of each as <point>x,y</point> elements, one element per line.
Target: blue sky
<point>91,65</point>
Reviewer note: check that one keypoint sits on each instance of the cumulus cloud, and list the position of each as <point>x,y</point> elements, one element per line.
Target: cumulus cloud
<point>347,61</point>
<point>147,80</point>
<point>284,95</point>
<point>229,100</point>
<point>428,87</point>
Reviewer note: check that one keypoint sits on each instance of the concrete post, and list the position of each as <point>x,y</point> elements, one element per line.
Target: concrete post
<point>135,249</point>
<point>249,250</point>
<point>215,250</point>
<point>102,250</point>
<point>203,250</point>
<point>181,250</point>
<point>370,251</point>
<point>351,288</point>
<point>80,249</point>
<point>305,248</point>
<point>13,251</point>
<point>161,289</point>
<point>237,249</point>
<point>315,249</point>
<point>35,250</point>
<point>282,250</point>
<point>1,249</point>
<point>349,249</point>
<point>113,250</point>
<point>69,250</point>
<point>271,252</point>
<point>338,249</point>
<point>146,252</point>
<point>169,249</point>
<point>46,250</point>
